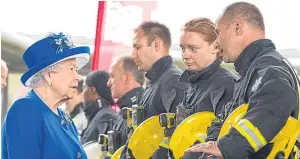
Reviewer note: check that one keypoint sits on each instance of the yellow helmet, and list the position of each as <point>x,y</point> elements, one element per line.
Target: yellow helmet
<point>283,142</point>
<point>117,154</point>
<point>146,139</point>
<point>189,131</point>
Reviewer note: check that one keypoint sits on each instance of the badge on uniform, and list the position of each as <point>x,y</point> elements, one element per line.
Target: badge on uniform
<point>133,99</point>
<point>256,84</point>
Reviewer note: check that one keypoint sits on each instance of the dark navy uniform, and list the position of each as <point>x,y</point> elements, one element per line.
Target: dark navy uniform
<point>269,85</point>
<point>163,93</point>
<point>129,99</point>
<point>100,117</point>
<point>210,89</point>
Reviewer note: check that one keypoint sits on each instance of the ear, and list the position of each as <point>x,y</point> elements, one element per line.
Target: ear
<point>157,44</point>
<point>238,26</point>
<point>47,77</point>
<point>127,77</point>
<point>215,46</point>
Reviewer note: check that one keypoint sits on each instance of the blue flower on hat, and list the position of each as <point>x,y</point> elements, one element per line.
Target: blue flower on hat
<point>50,50</point>
<point>62,41</point>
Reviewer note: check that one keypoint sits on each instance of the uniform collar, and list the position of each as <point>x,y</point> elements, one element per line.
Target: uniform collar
<point>205,74</point>
<point>250,53</point>
<point>91,109</point>
<point>130,98</point>
<point>158,68</point>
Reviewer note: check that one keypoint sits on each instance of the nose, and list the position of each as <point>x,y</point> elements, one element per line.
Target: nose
<point>185,54</point>
<point>77,76</point>
<point>134,53</point>
<point>80,77</point>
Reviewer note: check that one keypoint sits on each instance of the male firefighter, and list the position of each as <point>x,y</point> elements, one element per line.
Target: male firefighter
<point>125,83</point>
<point>164,92</point>
<point>267,83</point>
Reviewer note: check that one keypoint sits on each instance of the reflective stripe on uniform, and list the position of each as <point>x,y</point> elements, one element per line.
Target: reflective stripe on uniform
<point>251,133</point>
<point>165,143</point>
<point>109,154</point>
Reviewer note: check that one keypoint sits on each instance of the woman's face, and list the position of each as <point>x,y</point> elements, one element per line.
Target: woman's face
<point>65,80</point>
<point>197,54</point>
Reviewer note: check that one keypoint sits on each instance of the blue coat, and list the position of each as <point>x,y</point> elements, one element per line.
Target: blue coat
<point>32,131</point>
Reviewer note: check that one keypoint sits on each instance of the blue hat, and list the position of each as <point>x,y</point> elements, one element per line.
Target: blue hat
<point>50,50</point>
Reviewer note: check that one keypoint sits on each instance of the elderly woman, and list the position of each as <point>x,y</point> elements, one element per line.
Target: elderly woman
<point>34,126</point>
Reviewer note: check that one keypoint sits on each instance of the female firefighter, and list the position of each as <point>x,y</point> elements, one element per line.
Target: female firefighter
<point>210,85</point>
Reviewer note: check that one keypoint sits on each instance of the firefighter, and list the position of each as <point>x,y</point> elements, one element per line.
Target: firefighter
<point>151,45</point>
<point>125,83</point>
<point>268,84</point>
<point>210,85</point>
<point>97,98</point>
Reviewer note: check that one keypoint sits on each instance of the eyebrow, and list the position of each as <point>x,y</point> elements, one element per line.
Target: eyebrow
<point>187,45</point>
<point>74,65</point>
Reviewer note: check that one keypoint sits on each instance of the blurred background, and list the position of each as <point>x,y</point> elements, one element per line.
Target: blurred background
<point>112,23</point>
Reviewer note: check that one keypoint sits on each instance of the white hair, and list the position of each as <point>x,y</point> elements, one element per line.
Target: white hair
<point>37,79</point>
